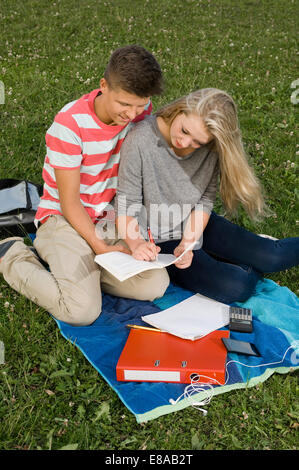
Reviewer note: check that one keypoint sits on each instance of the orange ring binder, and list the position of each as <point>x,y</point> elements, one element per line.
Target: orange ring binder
<point>161,357</point>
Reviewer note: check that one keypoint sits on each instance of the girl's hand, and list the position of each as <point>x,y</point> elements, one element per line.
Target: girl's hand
<point>186,260</point>
<point>146,251</point>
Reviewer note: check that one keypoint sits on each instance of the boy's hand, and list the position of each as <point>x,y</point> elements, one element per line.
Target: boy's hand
<point>121,248</point>
<point>146,251</point>
<point>186,260</point>
<point>116,247</point>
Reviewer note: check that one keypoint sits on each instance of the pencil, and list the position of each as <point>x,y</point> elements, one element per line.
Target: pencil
<point>139,327</point>
<point>149,232</point>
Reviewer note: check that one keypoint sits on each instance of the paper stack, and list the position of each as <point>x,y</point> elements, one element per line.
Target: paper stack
<point>191,319</point>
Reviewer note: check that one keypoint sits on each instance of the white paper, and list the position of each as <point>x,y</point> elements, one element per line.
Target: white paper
<point>192,318</point>
<point>124,266</point>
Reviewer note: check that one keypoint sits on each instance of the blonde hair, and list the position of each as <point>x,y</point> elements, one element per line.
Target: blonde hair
<point>238,183</point>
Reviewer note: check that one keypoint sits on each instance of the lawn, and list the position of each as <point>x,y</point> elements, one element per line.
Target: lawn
<point>50,54</point>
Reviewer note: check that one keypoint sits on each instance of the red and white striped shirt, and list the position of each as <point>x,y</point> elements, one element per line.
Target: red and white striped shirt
<point>78,139</point>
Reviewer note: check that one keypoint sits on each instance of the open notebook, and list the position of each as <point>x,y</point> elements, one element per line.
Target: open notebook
<point>123,266</point>
<point>192,318</point>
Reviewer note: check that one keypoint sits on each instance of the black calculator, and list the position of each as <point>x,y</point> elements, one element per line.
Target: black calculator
<point>240,319</point>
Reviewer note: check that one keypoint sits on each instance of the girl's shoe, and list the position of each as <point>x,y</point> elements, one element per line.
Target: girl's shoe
<point>267,236</point>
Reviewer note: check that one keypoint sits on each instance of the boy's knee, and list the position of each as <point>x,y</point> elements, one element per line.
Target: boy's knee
<point>84,319</point>
<point>154,285</point>
<point>82,313</point>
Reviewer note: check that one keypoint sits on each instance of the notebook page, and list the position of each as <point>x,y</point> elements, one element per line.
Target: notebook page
<point>124,266</point>
<point>192,318</point>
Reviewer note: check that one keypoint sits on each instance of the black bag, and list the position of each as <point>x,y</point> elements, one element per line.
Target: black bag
<point>19,200</point>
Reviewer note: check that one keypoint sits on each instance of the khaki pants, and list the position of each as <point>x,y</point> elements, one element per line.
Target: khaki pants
<point>71,291</point>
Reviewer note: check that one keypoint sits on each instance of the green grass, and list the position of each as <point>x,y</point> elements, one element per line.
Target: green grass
<point>52,53</point>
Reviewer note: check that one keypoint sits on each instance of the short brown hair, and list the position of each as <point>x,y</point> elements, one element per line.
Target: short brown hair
<point>135,70</point>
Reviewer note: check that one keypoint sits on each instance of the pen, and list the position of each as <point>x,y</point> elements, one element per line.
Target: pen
<point>139,327</point>
<point>150,235</point>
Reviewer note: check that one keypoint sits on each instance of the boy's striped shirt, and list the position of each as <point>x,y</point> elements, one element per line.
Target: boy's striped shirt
<point>78,139</point>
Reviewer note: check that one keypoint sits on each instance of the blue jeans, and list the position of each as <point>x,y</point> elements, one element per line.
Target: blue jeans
<point>231,261</point>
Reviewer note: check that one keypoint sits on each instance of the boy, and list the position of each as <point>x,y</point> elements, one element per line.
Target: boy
<point>80,178</point>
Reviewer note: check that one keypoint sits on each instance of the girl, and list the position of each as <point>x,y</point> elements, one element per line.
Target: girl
<point>170,164</point>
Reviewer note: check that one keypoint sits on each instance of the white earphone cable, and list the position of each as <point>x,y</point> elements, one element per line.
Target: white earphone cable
<point>197,385</point>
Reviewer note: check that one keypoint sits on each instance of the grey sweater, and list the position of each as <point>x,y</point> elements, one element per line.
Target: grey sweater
<point>159,188</point>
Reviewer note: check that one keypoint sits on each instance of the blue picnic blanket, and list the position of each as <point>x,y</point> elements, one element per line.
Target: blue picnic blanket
<point>275,333</point>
